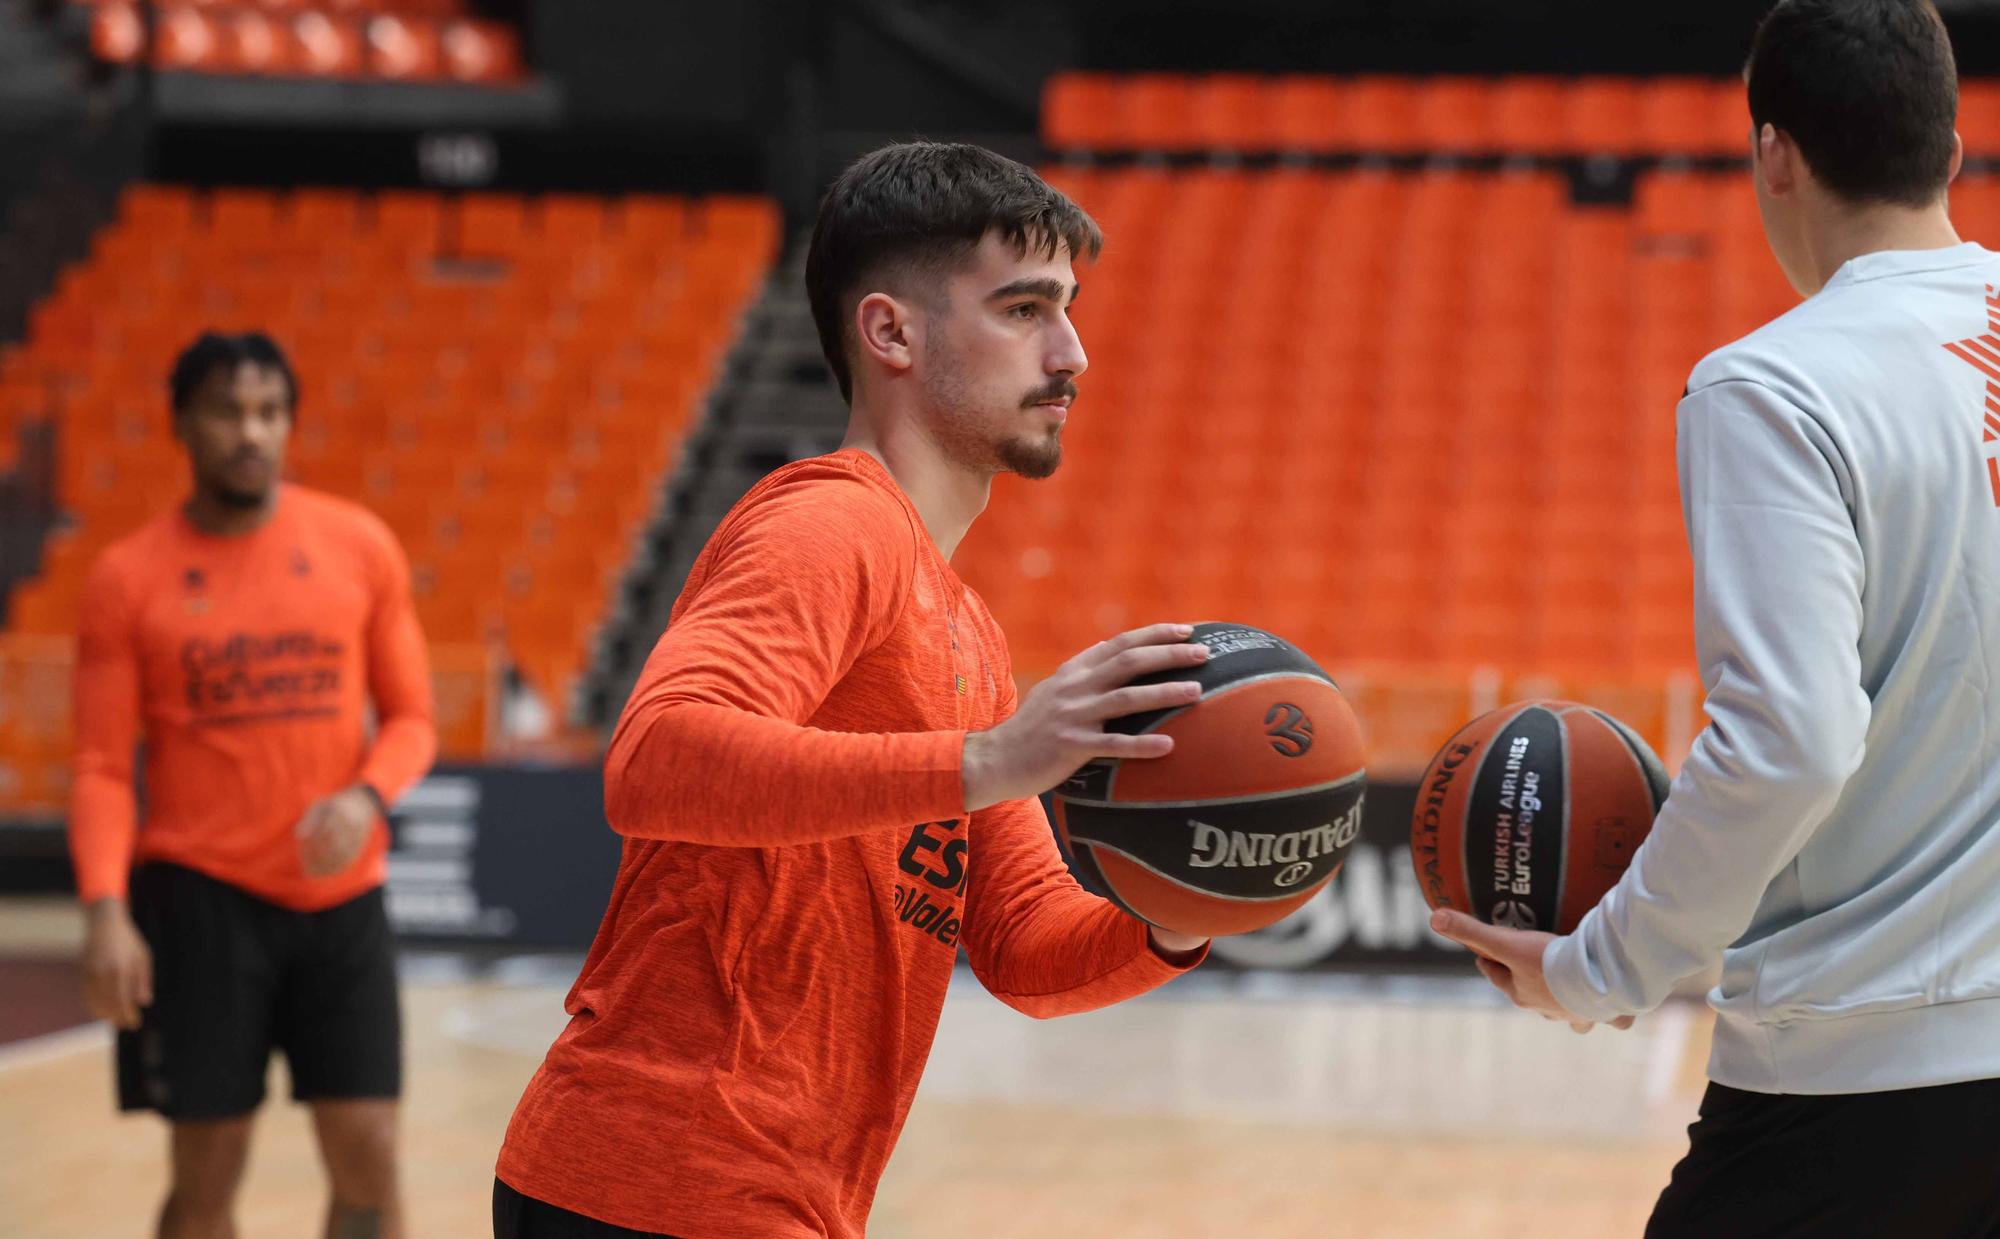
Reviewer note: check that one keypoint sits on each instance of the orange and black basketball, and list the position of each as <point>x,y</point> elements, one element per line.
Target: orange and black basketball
<point>1532,812</point>
<point>1251,813</point>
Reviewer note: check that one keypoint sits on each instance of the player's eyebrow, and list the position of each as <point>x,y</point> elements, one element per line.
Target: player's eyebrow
<point>1046,287</point>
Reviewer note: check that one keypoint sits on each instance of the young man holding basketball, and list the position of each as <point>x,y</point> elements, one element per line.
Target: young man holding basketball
<point>243,639</point>
<point>1835,834</point>
<point>823,777</point>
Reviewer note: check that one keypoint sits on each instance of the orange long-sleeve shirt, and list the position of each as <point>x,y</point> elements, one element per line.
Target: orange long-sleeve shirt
<point>798,875</point>
<point>246,665</point>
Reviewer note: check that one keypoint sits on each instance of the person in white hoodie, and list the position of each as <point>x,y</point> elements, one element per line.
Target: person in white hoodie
<point>1834,836</point>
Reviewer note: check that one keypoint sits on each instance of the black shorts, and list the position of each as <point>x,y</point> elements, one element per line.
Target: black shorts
<point>235,978</point>
<point>523,1217</point>
<point>1920,1163</point>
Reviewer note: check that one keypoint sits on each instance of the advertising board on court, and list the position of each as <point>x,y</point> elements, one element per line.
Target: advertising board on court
<point>521,857</point>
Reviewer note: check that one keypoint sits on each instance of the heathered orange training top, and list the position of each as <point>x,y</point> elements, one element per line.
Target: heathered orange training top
<point>797,878</point>
<point>246,664</point>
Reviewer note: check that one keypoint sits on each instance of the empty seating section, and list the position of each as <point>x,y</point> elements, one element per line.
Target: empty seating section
<point>398,40</point>
<point>1417,413</point>
<point>1418,419</point>
<point>504,380</point>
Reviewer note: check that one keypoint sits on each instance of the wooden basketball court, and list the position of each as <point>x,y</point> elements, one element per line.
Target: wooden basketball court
<point>1225,1106</point>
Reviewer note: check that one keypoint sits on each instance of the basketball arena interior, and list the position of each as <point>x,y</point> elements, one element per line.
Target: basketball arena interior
<point>1393,312</point>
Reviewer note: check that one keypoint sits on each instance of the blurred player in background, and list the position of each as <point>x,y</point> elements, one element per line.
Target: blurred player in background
<point>1835,834</point>
<point>824,779</point>
<point>242,639</point>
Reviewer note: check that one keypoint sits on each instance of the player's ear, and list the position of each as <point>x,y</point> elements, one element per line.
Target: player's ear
<point>885,330</point>
<point>1778,161</point>
<point>1957,157</point>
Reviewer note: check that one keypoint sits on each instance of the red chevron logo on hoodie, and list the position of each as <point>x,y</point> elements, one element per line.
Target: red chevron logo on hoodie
<point>1982,352</point>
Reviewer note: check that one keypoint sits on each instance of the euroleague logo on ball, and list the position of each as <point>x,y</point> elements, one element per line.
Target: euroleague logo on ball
<point>1290,730</point>
<point>1513,914</point>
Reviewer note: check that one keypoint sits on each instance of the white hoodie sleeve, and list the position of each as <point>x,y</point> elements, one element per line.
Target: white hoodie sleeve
<point>1778,584</point>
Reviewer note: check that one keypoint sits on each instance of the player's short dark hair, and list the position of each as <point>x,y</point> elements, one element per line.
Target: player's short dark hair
<point>214,350</point>
<point>926,205</point>
<point>1867,89</point>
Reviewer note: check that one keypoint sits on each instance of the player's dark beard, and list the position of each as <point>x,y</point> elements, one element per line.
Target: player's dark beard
<point>242,500</point>
<point>1037,458</point>
<point>236,497</point>
<point>1033,459</point>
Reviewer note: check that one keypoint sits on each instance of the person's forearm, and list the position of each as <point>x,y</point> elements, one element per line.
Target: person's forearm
<point>702,773</point>
<point>404,749</point>
<point>1041,943</point>
<point>1075,953</point>
<point>1744,805</point>
<point>103,832</point>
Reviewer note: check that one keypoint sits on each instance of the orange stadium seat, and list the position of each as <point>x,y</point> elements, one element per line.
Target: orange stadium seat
<point>406,221</point>
<point>1683,114</point>
<point>1529,115</point>
<point>187,38</point>
<point>117,33</point>
<point>1452,114</point>
<point>1155,111</point>
<point>1380,111</point>
<point>488,225</point>
<point>254,42</point>
<point>477,51</point>
<point>402,47</point>
<point>327,46</point>
<point>1979,113</point>
<point>1076,112</point>
<point>1307,113</point>
<point>319,215</point>
<point>1601,116</point>
<point>571,220</point>
<point>240,217</point>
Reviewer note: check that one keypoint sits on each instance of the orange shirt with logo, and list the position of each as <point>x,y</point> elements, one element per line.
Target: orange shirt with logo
<point>798,877</point>
<point>246,665</point>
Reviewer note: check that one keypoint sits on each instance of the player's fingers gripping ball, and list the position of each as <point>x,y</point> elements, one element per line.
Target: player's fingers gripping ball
<point>1248,817</point>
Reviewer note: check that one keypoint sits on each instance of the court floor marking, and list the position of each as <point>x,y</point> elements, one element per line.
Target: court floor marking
<point>48,1047</point>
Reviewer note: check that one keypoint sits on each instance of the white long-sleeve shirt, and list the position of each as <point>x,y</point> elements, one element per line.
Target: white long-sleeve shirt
<point>1835,832</point>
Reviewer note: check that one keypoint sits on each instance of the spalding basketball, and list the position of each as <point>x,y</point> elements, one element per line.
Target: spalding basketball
<point>1248,817</point>
<point>1532,812</point>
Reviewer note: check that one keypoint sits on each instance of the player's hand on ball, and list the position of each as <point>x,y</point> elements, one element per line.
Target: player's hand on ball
<point>1059,725</point>
<point>1512,960</point>
<point>117,965</point>
<point>1173,945</point>
<point>334,830</point>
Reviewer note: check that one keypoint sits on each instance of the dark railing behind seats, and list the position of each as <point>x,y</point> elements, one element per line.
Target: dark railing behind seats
<point>49,223</point>
<point>775,404</point>
<point>27,507</point>
<point>49,219</point>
